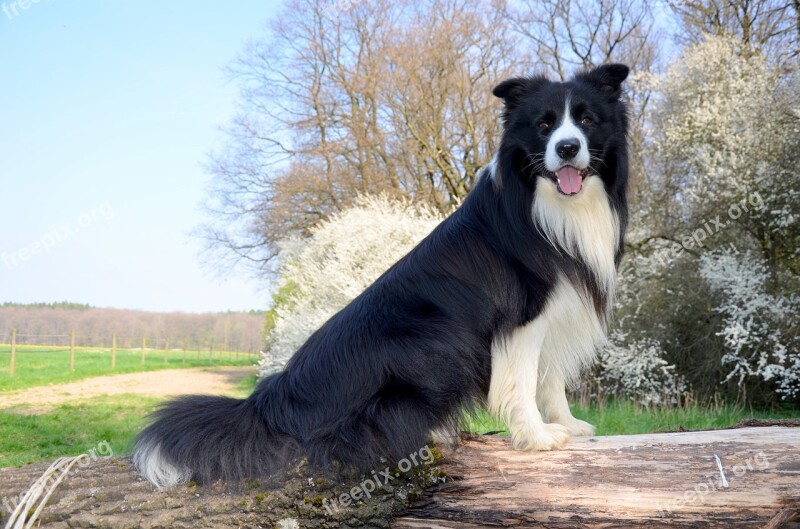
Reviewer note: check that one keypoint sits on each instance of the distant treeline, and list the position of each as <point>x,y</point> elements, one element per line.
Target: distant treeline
<point>56,305</point>
<point>52,323</point>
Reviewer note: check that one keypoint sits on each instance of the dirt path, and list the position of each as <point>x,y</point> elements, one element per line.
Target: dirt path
<point>164,383</point>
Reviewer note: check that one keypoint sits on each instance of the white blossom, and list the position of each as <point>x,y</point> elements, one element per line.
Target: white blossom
<point>340,259</point>
<point>755,322</point>
<point>637,369</point>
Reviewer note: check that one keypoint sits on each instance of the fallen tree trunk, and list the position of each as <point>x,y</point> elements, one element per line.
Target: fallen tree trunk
<point>659,480</point>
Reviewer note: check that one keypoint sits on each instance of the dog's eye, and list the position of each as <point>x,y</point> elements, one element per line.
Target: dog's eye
<point>586,121</point>
<point>543,125</point>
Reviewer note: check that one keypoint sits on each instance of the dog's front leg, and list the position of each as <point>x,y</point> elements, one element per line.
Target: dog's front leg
<point>551,396</point>
<point>515,366</point>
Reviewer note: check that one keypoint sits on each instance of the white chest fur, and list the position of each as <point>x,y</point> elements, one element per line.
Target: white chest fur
<point>572,332</point>
<point>560,341</point>
<point>583,226</point>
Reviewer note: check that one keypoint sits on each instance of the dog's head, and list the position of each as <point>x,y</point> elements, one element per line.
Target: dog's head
<point>565,132</point>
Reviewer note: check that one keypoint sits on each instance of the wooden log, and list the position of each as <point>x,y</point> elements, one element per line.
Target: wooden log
<point>659,480</point>
<point>108,493</point>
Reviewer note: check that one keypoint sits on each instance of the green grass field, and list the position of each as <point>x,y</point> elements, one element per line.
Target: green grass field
<point>78,428</point>
<point>37,366</point>
<point>72,429</point>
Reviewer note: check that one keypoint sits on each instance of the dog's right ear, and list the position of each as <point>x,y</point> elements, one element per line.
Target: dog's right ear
<point>512,90</point>
<point>607,78</point>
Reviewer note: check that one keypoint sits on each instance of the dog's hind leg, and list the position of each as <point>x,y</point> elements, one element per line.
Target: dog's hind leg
<point>515,365</point>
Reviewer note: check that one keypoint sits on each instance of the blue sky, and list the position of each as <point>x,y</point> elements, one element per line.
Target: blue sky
<point>107,111</point>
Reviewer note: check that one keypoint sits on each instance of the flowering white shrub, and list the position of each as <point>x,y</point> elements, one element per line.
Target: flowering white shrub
<point>755,323</point>
<point>726,124</point>
<point>723,172</point>
<point>343,256</point>
<point>637,369</point>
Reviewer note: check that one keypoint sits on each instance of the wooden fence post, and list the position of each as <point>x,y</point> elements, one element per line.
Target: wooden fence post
<point>72,351</point>
<point>144,341</point>
<point>13,351</point>
<point>113,351</point>
<point>166,350</point>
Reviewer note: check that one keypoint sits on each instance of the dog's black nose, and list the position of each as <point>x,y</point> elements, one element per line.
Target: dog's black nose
<point>568,148</point>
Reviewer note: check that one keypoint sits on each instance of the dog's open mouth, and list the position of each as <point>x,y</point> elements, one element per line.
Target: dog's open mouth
<point>569,179</point>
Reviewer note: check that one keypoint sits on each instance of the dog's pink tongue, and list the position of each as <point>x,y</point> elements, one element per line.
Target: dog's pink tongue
<point>569,180</point>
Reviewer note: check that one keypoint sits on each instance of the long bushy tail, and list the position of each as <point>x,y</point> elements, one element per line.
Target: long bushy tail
<point>204,438</point>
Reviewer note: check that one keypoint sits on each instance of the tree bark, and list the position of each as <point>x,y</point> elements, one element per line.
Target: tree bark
<point>658,480</point>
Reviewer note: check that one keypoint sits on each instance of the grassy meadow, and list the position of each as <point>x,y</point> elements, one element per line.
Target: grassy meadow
<point>78,427</point>
<point>42,365</point>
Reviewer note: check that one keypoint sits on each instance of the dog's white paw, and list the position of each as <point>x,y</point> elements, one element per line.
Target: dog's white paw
<point>578,427</point>
<point>548,436</point>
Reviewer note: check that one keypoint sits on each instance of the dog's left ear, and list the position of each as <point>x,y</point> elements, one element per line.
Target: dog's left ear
<point>608,78</point>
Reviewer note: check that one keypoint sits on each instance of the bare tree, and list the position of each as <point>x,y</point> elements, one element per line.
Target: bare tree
<point>364,97</point>
<point>292,147</point>
<point>439,96</point>
<point>770,27</point>
<point>571,34</point>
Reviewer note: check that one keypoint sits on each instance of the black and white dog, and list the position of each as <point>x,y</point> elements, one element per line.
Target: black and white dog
<point>501,305</point>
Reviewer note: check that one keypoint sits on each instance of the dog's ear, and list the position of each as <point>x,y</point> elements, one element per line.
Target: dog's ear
<point>512,90</point>
<point>608,78</point>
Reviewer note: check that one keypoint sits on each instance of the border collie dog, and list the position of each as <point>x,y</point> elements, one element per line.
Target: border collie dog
<point>501,305</point>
